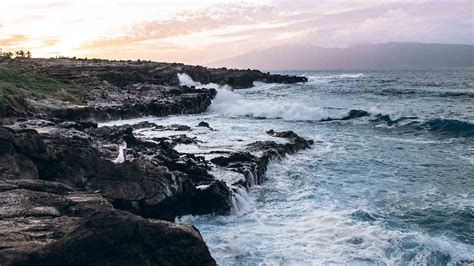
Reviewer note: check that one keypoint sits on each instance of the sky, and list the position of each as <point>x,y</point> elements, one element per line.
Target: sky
<point>202,31</point>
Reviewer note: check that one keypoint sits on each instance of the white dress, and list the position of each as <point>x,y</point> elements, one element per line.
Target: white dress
<point>120,158</point>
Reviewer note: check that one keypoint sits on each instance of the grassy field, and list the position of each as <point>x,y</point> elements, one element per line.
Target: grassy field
<point>17,83</point>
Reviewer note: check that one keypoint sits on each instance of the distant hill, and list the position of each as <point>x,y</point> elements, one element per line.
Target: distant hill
<point>395,55</point>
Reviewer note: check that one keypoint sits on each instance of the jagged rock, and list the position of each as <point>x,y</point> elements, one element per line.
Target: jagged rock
<point>238,79</point>
<point>215,196</point>
<point>35,185</point>
<point>203,124</point>
<point>253,162</point>
<point>44,222</point>
<point>70,157</point>
<point>61,197</point>
<point>17,148</point>
<point>33,123</point>
<point>182,139</point>
<point>234,159</point>
<point>179,127</point>
<point>81,125</point>
<point>141,187</point>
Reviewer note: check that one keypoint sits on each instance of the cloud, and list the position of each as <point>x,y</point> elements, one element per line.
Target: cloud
<point>13,40</point>
<point>184,23</point>
<point>51,5</point>
<point>49,42</point>
<point>197,32</point>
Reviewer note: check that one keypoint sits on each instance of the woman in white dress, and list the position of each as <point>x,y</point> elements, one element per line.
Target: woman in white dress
<point>122,147</point>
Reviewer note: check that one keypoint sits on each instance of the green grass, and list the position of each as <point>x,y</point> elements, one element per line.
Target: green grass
<point>18,83</point>
<point>14,76</point>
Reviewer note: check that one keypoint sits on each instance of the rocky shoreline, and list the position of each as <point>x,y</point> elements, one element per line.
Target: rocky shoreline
<point>64,202</point>
<point>103,90</point>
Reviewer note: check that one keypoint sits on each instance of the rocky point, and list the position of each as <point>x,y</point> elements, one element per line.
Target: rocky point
<point>64,202</point>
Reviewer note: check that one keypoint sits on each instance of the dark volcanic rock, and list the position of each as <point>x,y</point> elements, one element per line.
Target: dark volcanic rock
<point>238,79</point>
<point>58,198</point>
<point>254,167</point>
<point>216,196</point>
<point>125,89</point>
<point>64,202</point>
<point>17,150</point>
<point>121,239</point>
<point>146,184</point>
<point>236,158</point>
<point>61,199</point>
<point>114,237</point>
<point>203,124</point>
<point>157,102</point>
<point>141,187</point>
<point>70,157</point>
<point>81,125</point>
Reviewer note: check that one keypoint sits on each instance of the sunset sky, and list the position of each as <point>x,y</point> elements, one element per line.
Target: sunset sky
<point>206,30</point>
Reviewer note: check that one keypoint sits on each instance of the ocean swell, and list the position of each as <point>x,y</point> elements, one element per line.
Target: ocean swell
<point>451,127</point>
<point>230,103</point>
<point>441,126</point>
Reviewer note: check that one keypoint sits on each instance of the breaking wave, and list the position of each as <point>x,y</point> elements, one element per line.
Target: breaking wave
<point>186,80</point>
<point>317,79</point>
<point>232,104</point>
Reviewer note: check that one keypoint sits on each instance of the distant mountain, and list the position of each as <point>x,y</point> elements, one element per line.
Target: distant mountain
<point>394,55</point>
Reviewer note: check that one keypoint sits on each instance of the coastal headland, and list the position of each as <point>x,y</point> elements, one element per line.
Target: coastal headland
<point>64,202</point>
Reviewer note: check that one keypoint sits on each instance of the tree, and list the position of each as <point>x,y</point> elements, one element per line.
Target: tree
<point>8,54</point>
<point>22,53</point>
<point>28,54</point>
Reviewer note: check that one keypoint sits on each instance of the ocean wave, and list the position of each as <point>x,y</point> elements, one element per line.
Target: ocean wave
<point>427,84</point>
<point>318,79</point>
<point>457,94</point>
<point>231,104</point>
<point>451,126</point>
<point>186,80</point>
<point>424,93</point>
<point>441,126</point>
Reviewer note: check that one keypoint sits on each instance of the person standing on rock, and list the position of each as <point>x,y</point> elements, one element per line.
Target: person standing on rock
<point>122,147</point>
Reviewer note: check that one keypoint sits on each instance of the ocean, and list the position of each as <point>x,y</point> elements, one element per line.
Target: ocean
<point>388,181</point>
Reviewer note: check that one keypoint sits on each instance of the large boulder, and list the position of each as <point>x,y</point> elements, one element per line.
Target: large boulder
<point>17,151</point>
<point>118,238</point>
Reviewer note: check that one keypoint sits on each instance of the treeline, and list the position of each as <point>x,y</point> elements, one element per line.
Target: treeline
<point>17,54</point>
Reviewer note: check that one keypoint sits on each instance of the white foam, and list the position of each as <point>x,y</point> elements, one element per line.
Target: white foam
<point>229,103</point>
<point>186,80</point>
<point>320,79</point>
<point>202,187</point>
<point>241,201</point>
<point>348,76</point>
